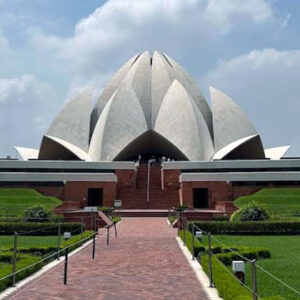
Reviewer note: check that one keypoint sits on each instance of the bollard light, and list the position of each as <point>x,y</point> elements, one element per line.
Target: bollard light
<point>67,235</point>
<point>238,267</point>
<point>199,235</point>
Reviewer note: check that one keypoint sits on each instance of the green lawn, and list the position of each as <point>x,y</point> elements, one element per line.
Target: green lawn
<point>15,201</point>
<point>6,242</point>
<point>284,262</point>
<point>280,202</point>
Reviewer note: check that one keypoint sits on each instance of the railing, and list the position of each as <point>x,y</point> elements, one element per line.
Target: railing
<point>183,224</point>
<point>60,251</point>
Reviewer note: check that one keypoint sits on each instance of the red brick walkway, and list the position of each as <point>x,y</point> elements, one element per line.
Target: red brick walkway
<point>144,262</point>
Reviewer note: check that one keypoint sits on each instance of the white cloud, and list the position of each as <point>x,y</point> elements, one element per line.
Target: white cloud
<point>26,106</point>
<point>266,84</point>
<point>119,28</point>
<point>100,44</point>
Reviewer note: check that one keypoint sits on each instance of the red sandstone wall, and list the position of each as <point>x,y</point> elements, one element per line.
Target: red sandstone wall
<point>217,191</point>
<point>76,191</point>
<point>126,178</point>
<point>170,178</point>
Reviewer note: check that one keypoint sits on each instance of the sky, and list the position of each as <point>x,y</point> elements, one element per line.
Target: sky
<point>50,50</point>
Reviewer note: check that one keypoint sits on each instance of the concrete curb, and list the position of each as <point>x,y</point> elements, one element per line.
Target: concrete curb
<point>201,275</point>
<point>7,292</point>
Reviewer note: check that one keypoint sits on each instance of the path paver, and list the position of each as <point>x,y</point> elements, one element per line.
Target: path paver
<point>144,262</point>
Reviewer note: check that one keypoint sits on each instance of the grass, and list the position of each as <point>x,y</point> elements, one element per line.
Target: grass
<point>172,219</point>
<point>279,202</point>
<point>15,201</point>
<point>284,262</point>
<point>6,242</point>
<point>32,245</point>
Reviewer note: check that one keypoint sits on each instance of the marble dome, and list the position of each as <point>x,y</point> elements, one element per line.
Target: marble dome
<point>151,106</point>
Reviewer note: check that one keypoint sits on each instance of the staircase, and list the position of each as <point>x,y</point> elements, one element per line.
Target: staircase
<point>136,198</point>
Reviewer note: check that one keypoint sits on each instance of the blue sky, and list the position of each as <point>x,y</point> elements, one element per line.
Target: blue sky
<point>52,49</point>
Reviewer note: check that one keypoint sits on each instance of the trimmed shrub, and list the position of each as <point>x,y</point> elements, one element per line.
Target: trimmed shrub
<point>249,253</point>
<point>181,208</point>
<point>23,261</point>
<point>116,219</point>
<point>8,228</point>
<point>106,209</point>
<point>197,245</point>
<point>221,217</point>
<point>172,219</point>
<point>36,213</point>
<point>227,286</point>
<point>252,212</point>
<point>250,228</point>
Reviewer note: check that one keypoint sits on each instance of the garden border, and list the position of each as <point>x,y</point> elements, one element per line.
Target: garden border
<point>8,291</point>
<point>200,274</point>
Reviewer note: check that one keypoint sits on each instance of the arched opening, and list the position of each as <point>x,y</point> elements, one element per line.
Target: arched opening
<point>51,150</point>
<point>251,149</point>
<point>150,145</point>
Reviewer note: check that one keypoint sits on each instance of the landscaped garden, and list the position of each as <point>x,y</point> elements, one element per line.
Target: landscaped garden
<point>253,233</point>
<point>281,203</point>
<point>13,202</point>
<point>40,233</point>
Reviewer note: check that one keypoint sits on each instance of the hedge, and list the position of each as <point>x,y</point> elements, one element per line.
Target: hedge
<point>197,246</point>
<point>250,253</point>
<point>250,228</point>
<point>8,228</point>
<point>228,287</point>
<point>87,235</point>
<point>24,260</point>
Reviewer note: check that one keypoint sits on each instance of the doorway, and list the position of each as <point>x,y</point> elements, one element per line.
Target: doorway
<point>95,197</point>
<point>200,197</point>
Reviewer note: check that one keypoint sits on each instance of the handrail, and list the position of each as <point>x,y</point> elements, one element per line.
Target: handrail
<point>148,179</point>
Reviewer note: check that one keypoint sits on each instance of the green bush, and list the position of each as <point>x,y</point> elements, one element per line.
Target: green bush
<point>221,217</point>
<point>181,208</point>
<point>249,253</point>
<point>250,228</point>
<point>197,246</point>
<point>106,209</point>
<point>172,219</point>
<point>116,219</point>
<point>251,212</point>
<point>36,213</point>
<point>228,288</point>
<point>23,261</point>
<point>8,228</point>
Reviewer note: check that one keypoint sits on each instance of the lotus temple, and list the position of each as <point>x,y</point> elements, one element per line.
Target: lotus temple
<point>151,142</point>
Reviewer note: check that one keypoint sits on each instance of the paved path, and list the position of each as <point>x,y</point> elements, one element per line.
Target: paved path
<point>144,262</point>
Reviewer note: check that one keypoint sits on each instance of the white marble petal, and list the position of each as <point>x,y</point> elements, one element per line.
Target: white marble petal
<point>27,153</point>
<point>277,152</point>
<point>121,121</point>
<point>230,123</point>
<point>230,147</point>
<point>189,84</point>
<point>139,77</point>
<point>72,124</point>
<point>113,84</point>
<point>180,121</point>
